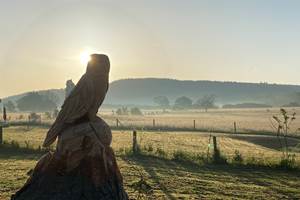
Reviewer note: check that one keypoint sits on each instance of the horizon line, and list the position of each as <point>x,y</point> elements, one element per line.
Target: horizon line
<point>159,78</point>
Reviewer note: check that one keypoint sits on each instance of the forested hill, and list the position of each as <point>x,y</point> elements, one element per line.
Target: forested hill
<point>142,92</point>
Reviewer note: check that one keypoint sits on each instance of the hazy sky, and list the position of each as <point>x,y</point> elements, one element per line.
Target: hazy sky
<point>250,41</point>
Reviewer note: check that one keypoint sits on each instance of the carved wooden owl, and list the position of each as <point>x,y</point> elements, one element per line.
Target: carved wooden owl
<point>85,99</point>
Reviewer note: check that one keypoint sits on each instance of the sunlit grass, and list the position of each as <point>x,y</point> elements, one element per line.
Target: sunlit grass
<point>196,143</point>
<point>247,120</point>
<point>172,180</point>
<point>168,178</point>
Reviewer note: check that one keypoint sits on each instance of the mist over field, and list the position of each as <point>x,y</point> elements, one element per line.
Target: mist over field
<point>141,92</point>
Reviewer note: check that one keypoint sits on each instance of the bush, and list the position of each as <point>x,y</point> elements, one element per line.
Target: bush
<point>218,158</point>
<point>126,151</point>
<point>162,101</point>
<point>122,111</point>
<point>238,158</point>
<point>136,111</point>
<point>253,161</point>
<point>33,117</point>
<point>288,162</point>
<point>183,103</point>
<point>14,144</point>
<point>160,152</point>
<point>149,148</point>
<point>182,156</point>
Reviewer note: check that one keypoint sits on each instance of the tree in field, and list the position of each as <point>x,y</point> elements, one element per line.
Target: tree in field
<point>10,106</point>
<point>33,117</point>
<point>136,111</point>
<point>183,103</point>
<point>122,111</point>
<point>162,101</point>
<point>35,102</point>
<point>206,102</point>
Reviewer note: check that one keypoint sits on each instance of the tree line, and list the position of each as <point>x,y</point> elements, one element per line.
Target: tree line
<point>36,102</point>
<point>33,102</point>
<point>183,102</point>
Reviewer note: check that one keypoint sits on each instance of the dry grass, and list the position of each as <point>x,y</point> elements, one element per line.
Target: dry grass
<point>172,180</point>
<point>195,143</point>
<point>169,179</point>
<point>34,136</point>
<point>216,119</point>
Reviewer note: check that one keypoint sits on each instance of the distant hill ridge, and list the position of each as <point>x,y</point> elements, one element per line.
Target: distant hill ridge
<point>141,91</point>
<point>137,91</point>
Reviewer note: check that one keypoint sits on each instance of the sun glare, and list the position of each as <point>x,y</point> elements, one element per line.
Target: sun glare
<point>84,57</point>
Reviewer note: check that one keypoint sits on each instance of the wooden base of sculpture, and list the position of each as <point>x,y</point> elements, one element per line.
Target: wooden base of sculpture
<point>83,167</point>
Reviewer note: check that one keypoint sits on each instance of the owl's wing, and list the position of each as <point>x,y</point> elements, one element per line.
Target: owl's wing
<point>100,93</point>
<point>75,106</point>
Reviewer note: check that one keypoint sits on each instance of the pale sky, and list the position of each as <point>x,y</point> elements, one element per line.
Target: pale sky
<point>227,40</point>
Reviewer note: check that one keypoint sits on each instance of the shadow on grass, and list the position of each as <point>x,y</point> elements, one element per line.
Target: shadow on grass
<point>281,183</point>
<point>171,176</point>
<point>14,151</point>
<point>270,142</point>
<point>143,161</point>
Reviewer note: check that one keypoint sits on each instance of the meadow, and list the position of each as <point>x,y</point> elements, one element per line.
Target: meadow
<point>219,120</point>
<point>175,160</point>
<point>173,165</point>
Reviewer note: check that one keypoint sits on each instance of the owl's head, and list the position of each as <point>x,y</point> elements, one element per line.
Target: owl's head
<point>98,65</point>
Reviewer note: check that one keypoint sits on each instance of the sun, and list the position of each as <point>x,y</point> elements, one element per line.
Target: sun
<point>84,57</point>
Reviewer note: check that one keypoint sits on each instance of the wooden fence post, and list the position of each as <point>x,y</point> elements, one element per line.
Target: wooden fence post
<point>234,127</point>
<point>208,148</point>
<point>153,122</point>
<point>117,122</point>
<point>194,124</point>
<point>134,142</point>
<point>215,144</point>
<point>1,134</point>
<point>4,114</point>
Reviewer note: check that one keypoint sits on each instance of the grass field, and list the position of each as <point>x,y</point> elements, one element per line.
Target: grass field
<point>247,120</point>
<point>171,179</point>
<point>261,147</point>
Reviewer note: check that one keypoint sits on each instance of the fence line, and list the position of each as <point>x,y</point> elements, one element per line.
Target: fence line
<point>155,127</point>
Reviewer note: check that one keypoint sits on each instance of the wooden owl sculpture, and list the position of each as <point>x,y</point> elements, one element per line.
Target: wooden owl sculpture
<point>85,99</point>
